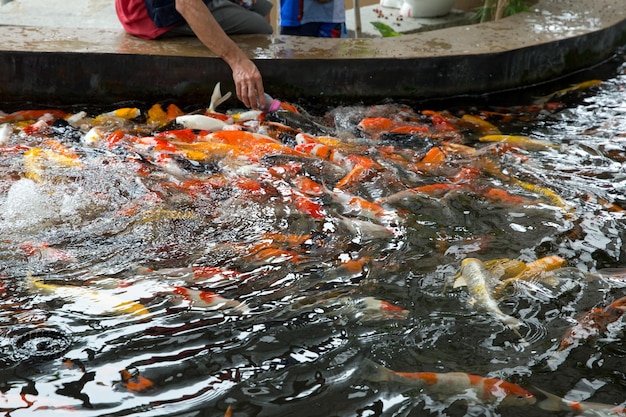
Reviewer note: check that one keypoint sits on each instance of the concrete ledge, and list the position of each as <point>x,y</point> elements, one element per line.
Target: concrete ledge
<point>85,65</point>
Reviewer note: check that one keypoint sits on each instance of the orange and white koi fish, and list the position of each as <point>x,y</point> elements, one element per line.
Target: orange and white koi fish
<point>45,253</point>
<point>209,299</point>
<point>593,323</point>
<point>480,284</point>
<point>446,385</point>
<point>585,408</point>
<point>32,115</point>
<point>371,308</point>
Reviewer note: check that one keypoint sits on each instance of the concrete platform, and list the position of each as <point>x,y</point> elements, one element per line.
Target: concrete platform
<point>52,54</point>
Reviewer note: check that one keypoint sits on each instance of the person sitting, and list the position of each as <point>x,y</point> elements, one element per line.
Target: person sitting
<point>211,21</point>
<point>317,18</point>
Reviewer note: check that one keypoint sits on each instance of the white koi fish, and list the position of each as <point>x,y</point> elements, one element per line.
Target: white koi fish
<point>585,408</point>
<point>446,385</point>
<point>201,122</point>
<point>480,284</point>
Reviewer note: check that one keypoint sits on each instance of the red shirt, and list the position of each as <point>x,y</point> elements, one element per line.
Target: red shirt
<point>134,17</point>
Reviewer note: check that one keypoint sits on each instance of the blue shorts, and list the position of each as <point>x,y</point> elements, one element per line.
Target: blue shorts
<point>316,29</point>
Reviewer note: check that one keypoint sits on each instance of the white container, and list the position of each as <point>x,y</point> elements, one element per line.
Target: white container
<point>426,8</point>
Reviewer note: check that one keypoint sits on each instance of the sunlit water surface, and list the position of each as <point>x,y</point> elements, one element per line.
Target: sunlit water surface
<point>300,316</point>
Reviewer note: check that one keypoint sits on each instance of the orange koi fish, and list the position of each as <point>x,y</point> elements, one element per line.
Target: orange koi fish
<point>362,167</point>
<point>593,323</point>
<point>308,186</point>
<point>374,127</point>
<point>274,255</point>
<point>446,385</point>
<point>556,403</point>
<point>433,159</point>
<point>136,383</point>
<point>209,299</point>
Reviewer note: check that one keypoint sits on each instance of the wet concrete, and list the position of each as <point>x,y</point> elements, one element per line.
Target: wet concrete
<point>56,64</point>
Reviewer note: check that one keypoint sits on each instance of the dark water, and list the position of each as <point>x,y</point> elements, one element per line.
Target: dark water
<point>303,277</point>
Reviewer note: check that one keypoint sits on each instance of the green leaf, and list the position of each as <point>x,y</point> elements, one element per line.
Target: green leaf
<point>385,30</point>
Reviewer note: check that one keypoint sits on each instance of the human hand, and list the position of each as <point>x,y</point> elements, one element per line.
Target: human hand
<point>249,84</point>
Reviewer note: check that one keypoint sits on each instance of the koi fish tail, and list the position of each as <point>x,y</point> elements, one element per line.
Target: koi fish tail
<point>217,98</point>
<point>373,372</point>
<point>551,403</point>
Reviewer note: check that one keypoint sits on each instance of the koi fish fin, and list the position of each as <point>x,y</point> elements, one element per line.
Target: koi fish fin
<point>459,281</point>
<point>217,98</point>
<point>551,403</point>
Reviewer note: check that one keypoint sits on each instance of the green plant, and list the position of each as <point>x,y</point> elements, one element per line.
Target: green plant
<point>497,9</point>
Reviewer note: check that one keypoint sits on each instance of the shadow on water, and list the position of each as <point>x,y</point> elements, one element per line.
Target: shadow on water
<point>147,274</point>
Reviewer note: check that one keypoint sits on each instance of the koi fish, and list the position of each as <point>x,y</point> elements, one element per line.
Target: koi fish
<point>46,253</point>
<point>201,122</point>
<point>98,301</point>
<point>556,403</point>
<point>369,308</point>
<point>126,113</point>
<point>36,160</point>
<point>480,124</point>
<point>135,382</point>
<point>593,323</point>
<point>209,299</point>
<point>536,271</point>
<point>446,385</point>
<point>576,88</point>
<point>520,141</point>
<point>32,115</point>
<point>480,284</point>
<point>158,117</point>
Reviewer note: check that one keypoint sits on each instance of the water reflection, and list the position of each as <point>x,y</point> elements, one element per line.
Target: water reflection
<point>139,279</point>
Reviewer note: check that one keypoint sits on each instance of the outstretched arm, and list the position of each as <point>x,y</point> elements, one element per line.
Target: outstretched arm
<point>247,78</point>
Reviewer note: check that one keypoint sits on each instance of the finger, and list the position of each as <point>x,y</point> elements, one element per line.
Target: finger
<point>252,98</point>
<point>245,96</point>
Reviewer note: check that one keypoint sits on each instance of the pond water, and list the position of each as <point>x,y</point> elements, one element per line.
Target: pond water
<point>150,270</point>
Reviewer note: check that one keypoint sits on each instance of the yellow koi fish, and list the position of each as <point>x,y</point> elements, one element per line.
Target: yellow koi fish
<point>36,160</point>
<point>95,302</point>
<point>536,271</point>
<point>480,284</point>
<point>520,141</point>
